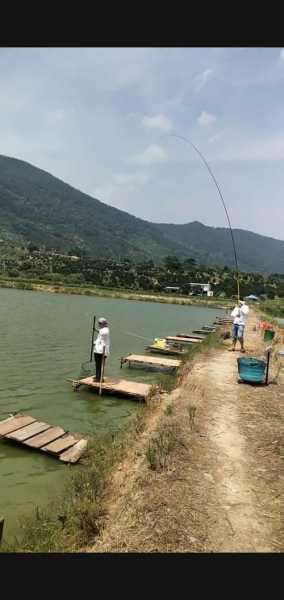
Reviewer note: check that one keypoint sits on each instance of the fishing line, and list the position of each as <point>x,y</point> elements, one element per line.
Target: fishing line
<point>181,137</point>
<point>137,336</point>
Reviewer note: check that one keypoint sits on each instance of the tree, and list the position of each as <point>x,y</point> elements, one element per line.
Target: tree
<point>32,247</point>
<point>189,263</point>
<point>172,263</point>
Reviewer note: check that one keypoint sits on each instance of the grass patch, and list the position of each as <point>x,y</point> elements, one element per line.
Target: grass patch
<point>169,410</point>
<point>192,414</point>
<point>164,441</point>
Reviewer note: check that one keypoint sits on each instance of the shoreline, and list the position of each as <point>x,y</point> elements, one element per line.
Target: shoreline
<point>112,293</point>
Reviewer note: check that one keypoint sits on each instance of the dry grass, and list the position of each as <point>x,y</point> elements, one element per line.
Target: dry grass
<point>163,442</point>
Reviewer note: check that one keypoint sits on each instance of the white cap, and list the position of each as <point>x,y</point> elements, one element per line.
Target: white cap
<point>102,321</point>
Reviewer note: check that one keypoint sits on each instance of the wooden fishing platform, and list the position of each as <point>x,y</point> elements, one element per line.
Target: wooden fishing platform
<point>192,336</point>
<point>116,387</point>
<point>170,351</point>
<point>183,340</point>
<point>38,435</point>
<point>201,331</point>
<point>150,361</point>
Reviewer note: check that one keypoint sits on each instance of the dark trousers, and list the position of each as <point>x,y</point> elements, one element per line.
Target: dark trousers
<point>99,364</point>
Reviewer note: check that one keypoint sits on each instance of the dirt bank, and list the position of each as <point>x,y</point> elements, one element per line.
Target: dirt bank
<point>219,484</point>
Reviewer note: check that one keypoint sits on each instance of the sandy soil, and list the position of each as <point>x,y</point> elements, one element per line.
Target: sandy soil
<point>220,488</point>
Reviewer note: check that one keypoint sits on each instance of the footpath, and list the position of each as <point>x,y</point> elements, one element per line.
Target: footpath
<point>220,486</point>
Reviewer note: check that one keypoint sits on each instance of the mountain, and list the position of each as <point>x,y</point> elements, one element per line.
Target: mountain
<point>39,208</point>
<point>213,245</point>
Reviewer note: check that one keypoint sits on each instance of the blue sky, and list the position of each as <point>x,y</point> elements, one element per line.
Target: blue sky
<point>101,119</point>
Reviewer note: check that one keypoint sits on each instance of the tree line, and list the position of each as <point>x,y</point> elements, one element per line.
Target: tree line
<point>79,269</point>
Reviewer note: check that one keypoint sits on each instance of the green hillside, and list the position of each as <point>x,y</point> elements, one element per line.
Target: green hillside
<point>39,208</point>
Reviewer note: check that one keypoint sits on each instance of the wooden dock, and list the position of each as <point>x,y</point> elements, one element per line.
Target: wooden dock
<point>169,351</point>
<point>116,387</point>
<point>41,436</point>
<point>192,336</point>
<point>201,331</point>
<point>183,340</point>
<point>150,362</point>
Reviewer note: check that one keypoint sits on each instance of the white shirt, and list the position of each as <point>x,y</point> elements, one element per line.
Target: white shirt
<point>240,313</point>
<point>102,342</point>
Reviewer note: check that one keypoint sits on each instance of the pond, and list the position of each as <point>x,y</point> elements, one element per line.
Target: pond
<point>44,340</point>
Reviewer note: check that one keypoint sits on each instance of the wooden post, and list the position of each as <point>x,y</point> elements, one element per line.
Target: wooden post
<point>102,373</point>
<point>93,335</point>
<point>1,528</point>
<point>267,366</point>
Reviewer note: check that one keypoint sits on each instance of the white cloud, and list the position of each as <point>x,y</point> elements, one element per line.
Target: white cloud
<point>152,154</point>
<point>268,148</point>
<point>114,187</point>
<point>159,122</point>
<point>282,55</point>
<point>217,137</point>
<point>104,192</point>
<point>200,80</point>
<point>56,116</point>
<point>206,119</point>
<point>133,179</point>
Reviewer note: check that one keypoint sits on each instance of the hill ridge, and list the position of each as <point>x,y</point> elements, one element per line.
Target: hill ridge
<point>38,207</point>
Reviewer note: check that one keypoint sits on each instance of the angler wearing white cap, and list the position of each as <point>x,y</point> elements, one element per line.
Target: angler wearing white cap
<point>239,313</point>
<point>101,347</point>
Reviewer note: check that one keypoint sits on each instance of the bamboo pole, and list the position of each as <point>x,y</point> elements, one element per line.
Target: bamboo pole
<point>93,335</point>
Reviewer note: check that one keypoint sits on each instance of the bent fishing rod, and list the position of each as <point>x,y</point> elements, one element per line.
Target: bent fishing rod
<point>181,137</point>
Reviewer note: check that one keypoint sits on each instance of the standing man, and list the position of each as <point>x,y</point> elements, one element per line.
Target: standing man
<point>101,346</point>
<point>239,313</point>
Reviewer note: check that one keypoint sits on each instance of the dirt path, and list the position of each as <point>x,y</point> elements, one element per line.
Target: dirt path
<point>220,488</point>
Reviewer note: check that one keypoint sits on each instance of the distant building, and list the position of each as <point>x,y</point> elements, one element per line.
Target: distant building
<point>172,288</point>
<point>251,297</point>
<point>201,288</point>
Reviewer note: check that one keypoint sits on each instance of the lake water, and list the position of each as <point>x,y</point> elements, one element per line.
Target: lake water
<point>44,340</point>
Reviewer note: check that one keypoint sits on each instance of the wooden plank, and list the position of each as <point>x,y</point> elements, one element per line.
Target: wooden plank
<point>45,438</point>
<point>201,331</point>
<point>183,340</point>
<point>73,454</point>
<point>69,439</point>
<point>26,432</point>
<point>14,423</point>
<point>191,336</point>
<point>119,386</point>
<point>167,351</point>
<point>152,360</point>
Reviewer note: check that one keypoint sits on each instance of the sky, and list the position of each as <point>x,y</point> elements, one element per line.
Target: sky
<point>104,121</point>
